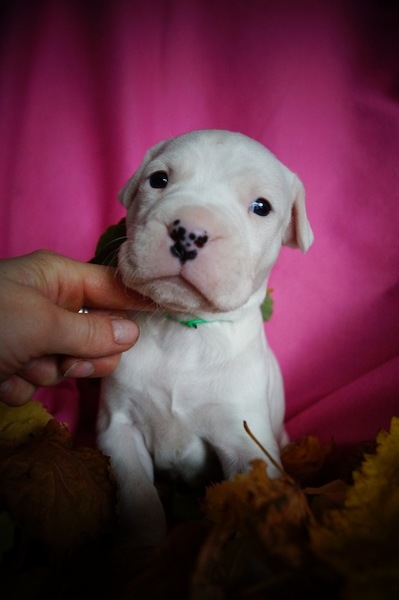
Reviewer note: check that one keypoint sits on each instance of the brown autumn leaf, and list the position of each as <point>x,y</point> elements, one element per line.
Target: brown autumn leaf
<point>57,493</point>
<point>334,491</point>
<point>275,512</point>
<point>326,497</point>
<point>304,459</point>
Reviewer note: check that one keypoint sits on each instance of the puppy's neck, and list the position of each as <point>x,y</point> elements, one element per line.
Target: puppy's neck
<point>193,322</point>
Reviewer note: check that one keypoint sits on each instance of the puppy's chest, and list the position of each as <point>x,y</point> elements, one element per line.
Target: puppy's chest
<point>180,386</point>
<point>175,373</point>
<point>171,381</point>
<point>173,369</point>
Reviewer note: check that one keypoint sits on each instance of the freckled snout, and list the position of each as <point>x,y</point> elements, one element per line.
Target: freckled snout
<point>188,239</point>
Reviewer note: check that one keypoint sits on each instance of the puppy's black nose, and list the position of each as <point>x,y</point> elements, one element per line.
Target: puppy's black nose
<point>188,239</point>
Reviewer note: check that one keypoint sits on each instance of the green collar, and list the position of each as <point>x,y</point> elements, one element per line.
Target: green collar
<point>266,309</point>
<point>192,323</point>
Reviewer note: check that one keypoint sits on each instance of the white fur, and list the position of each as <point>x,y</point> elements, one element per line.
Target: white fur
<point>180,392</point>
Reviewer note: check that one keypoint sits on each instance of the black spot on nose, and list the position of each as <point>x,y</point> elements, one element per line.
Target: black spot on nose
<point>182,253</point>
<point>178,234</point>
<point>200,241</point>
<point>184,241</point>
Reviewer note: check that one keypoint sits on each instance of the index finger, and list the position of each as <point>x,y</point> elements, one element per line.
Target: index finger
<point>103,290</point>
<point>72,284</point>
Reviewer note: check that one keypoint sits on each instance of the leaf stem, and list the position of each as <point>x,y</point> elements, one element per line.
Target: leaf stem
<point>268,455</point>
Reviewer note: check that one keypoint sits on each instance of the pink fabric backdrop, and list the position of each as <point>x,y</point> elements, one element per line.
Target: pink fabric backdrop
<point>87,86</point>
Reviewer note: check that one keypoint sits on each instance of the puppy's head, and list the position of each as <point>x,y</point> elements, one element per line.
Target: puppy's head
<point>207,213</point>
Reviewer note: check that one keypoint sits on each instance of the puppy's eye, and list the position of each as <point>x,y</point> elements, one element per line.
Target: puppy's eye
<point>159,179</point>
<point>261,207</point>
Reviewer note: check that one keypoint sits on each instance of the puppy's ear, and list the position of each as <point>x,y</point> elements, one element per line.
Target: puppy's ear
<point>129,190</point>
<point>298,233</point>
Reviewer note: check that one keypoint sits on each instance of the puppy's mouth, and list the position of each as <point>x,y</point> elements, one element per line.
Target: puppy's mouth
<point>214,281</point>
<point>173,293</point>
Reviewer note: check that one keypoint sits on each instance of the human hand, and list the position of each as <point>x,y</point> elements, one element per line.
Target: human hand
<point>43,338</point>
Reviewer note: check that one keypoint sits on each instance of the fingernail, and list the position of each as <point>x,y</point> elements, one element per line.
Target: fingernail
<point>82,368</point>
<point>125,331</point>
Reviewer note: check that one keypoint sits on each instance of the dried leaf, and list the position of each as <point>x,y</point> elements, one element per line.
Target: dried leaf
<point>326,497</point>
<point>305,458</point>
<point>19,423</point>
<point>57,493</point>
<point>275,511</point>
<point>360,542</point>
<point>335,491</point>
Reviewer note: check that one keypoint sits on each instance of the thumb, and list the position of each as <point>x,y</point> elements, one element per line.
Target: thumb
<point>92,335</point>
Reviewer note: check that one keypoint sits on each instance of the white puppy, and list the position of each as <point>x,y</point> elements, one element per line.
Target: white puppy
<point>207,214</point>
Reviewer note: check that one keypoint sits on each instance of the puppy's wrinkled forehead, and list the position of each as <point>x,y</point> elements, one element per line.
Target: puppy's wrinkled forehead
<point>217,154</point>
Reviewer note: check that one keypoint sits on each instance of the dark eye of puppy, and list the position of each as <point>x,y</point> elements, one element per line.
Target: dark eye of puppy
<point>261,207</point>
<point>159,179</point>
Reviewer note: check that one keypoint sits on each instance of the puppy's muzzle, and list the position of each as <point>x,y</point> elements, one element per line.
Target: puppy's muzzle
<point>188,240</point>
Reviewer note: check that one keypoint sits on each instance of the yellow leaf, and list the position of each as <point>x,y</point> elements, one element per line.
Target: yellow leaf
<point>360,541</point>
<point>19,423</point>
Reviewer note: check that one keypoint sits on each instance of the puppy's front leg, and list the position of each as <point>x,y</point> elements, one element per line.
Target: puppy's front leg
<point>141,513</point>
